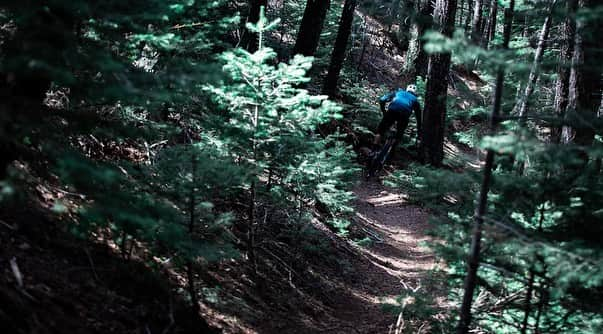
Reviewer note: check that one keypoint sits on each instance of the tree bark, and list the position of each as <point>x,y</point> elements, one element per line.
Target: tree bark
<point>366,33</point>
<point>23,87</point>
<point>311,26</point>
<point>522,105</point>
<point>251,255</point>
<point>394,10</point>
<point>484,21</point>
<point>574,82</point>
<point>423,23</point>
<point>468,15</point>
<point>585,78</point>
<point>476,29</point>
<point>459,13</point>
<point>568,31</point>
<point>527,305</point>
<point>436,90</point>
<point>405,18</point>
<point>476,21</point>
<point>492,17</point>
<point>473,261</point>
<point>542,303</point>
<point>250,39</point>
<point>526,25</point>
<point>339,50</point>
<point>190,274</point>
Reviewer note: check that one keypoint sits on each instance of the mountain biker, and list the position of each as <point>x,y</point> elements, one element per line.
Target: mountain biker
<point>401,104</point>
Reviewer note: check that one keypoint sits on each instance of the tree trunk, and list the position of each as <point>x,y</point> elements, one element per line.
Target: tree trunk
<point>483,22</point>
<point>405,19</point>
<point>526,25</point>
<point>574,82</point>
<point>250,39</point>
<point>468,15</point>
<point>311,26</point>
<point>339,50</point>
<point>251,212</point>
<point>423,23</point>
<point>394,10</point>
<point>599,161</point>
<point>436,90</point>
<point>190,275</point>
<point>473,261</point>
<point>459,13</point>
<point>522,105</point>
<point>542,303</point>
<point>476,29</point>
<point>492,17</point>
<point>365,40</point>
<point>585,77</point>
<point>476,22</point>
<point>568,30</point>
<point>23,87</point>
<point>527,305</point>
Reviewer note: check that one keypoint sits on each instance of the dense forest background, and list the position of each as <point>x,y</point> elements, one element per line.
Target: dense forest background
<point>195,166</point>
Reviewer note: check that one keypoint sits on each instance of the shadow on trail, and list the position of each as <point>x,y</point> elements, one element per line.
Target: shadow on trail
<point>349,297</point>
<point>380,272</point>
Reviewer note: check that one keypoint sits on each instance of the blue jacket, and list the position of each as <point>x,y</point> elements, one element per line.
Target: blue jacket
<point>402,101</point>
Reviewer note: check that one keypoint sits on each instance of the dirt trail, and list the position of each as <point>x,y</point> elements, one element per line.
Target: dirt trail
<point>396,262</point>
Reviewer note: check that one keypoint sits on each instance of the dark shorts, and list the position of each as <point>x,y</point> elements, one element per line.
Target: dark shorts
<point>399,117</point>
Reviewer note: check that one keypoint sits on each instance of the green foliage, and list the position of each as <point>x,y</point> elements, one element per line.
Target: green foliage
<point>188,141</point>
<point>269,123</point>
<point>129,74</point>
<point>469,137</point>
<point>541,221</point>
<point>363,110</point>
<point>166,148</point>
<point>417,309</point>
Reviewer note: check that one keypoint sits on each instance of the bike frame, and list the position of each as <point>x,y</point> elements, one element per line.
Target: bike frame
<point>376,163</point>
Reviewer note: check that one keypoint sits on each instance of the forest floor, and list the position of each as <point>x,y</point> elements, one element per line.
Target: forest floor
<point>388,283</point>
<point>388,279</point>
<point>52,282</point>
<point>398,265</point>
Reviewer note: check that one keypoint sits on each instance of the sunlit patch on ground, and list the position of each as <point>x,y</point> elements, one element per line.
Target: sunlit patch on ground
<point>456,156</point>
<point>386,198</point>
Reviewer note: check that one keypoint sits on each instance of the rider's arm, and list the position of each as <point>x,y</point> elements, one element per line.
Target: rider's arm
<point>384,99</point>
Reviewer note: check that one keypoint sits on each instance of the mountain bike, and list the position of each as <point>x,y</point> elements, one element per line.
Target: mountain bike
<point>377,159</point>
